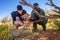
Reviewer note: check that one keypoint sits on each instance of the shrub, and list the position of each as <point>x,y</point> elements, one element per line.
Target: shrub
<point>57,23</point>
<point>4,32</point>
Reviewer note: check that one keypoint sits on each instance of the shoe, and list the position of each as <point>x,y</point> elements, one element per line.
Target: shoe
<point>44,30</point>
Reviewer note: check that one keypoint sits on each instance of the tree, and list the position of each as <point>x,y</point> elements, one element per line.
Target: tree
<point>55,6</point>
<point>23,2</point>
<point>4,20</point>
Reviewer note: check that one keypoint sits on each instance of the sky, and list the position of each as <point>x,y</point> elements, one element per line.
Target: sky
<point>8,6</point>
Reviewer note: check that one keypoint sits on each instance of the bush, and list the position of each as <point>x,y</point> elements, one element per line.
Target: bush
<point>57,23</point>
<point>4,32</point>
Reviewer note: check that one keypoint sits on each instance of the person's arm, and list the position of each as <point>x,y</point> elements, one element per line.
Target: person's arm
<point>45,17</point>
<point>41,14</point>
<point>32,16</point>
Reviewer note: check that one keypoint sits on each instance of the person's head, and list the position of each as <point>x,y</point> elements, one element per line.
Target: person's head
<point>19,8</point>
<point>36,5</point>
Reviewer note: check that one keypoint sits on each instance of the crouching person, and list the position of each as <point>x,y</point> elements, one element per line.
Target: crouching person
<point>17,16</point>
<point>38,16</point>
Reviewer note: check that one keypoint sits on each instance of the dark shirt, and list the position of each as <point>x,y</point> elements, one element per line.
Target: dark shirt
<point>41,12</point>
<point>15,14</point>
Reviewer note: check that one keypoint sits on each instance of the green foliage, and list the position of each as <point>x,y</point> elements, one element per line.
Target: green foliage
<point>4,32</point>
<point>57,23</point>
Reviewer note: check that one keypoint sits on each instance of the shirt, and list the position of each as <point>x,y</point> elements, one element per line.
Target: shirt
<point>41,12</point>
<point>15,14</point>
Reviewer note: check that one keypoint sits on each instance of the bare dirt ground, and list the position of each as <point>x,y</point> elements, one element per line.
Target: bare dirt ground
<point>40,35</point>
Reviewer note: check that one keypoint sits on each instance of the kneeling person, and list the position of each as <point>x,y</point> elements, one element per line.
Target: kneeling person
<point>17,16</point>
<point>40,17</point>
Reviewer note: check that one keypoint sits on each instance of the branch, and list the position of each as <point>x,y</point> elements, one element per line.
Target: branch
<point>52,4</point>
<point>56,11</point>
<point>23,2</point>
